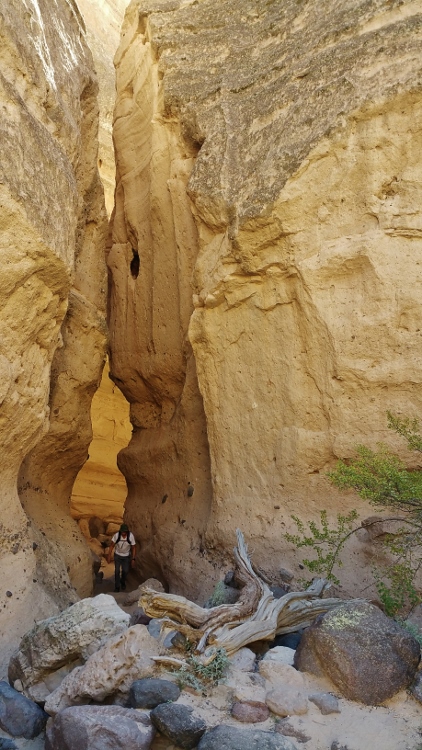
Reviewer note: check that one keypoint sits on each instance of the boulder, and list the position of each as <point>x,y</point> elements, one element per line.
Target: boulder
<point>250,712</point>
<point>243,660</point>
<point>326,702</point>
<point>20,716</point>
<point>368,656</point>
<point>68,637</point>
<point>280,654</point>
<point>111,670</point>
<point>6,744</point>
<point>416,688</point>
<point>278,672</point>
<point>176,722</point>
<point>100,728</point>
<point>150,692</point>
<point>285,700</point>
<point>232,738</point>
<point>247,686</point>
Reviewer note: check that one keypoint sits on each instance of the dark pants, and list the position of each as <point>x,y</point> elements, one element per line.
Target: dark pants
<point>121,569</point>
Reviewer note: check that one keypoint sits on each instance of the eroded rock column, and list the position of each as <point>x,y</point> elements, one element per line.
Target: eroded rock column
<point>151,263</point>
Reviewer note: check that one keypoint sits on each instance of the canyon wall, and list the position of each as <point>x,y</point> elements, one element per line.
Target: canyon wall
<point>100,489</point>
<point>52,314</point>
<point>265,263</point>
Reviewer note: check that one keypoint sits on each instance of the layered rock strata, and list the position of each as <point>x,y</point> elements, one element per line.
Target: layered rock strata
<point>53,290</point>
<point>266,246</point>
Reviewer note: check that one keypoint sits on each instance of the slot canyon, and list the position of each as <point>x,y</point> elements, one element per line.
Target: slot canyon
<point>211,268</point>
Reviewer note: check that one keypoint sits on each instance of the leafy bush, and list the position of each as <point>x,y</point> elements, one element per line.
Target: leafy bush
<point>325,542</point>
<point>383,479</point>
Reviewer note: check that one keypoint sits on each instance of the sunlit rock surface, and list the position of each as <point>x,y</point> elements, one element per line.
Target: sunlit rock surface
<point>266,247</point>
<point>53,291</point>
<point>100,489</point>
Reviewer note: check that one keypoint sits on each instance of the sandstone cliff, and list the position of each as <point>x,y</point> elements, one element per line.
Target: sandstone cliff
<point>100,489</point>
<point>266,247</point>
<point>53,291</point>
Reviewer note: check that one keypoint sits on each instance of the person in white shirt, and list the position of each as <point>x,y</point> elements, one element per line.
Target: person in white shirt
<point>124,546</point>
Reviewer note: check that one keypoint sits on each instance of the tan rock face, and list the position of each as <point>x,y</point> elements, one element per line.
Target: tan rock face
<point>103,19</point>
<point>292,138</point>
<point>100,488</point>
<point>52,290</point>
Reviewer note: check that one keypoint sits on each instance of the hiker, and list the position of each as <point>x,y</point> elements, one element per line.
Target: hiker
<point>124,556</point>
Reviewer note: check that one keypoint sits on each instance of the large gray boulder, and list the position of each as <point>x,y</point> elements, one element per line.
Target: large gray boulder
<point>67,638</point>
<point>366,654</point>
<point>150,692</point>
<point>19,716</point>
<point>231,738</point>
<point>178,723</point>
<point>100,728</point>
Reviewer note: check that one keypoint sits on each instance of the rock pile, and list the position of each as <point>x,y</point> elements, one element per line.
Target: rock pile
<point>119,696</point>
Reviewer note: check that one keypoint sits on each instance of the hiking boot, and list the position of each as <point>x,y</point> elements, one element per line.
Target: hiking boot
<point>116,588</point>
<point>123,587</point>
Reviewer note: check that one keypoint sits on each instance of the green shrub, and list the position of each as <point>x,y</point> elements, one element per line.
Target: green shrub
<point>201,676</point>
<point>383,479</point>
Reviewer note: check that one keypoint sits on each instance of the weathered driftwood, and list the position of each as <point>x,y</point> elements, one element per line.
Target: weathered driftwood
<point>255,616</point>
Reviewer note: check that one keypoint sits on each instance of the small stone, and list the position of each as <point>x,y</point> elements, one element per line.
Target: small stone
<point>279,591</point>
<point>176,722</point>
<point>337,746</point>
<point>326,702</point>
<point>138,617</point>
<point>174,639</point>
<point>9,594</point>
<point>154,628</point>
<point>250,712</point>
<point>151,692</point>
<point>285,700</point>
<point>286,575</point>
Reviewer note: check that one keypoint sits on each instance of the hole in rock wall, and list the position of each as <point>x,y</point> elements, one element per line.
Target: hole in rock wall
<point>134,264</point>
<point>99,492</point>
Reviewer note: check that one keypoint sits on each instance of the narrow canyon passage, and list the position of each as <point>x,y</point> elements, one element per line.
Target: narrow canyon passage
<point>246,256</point>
